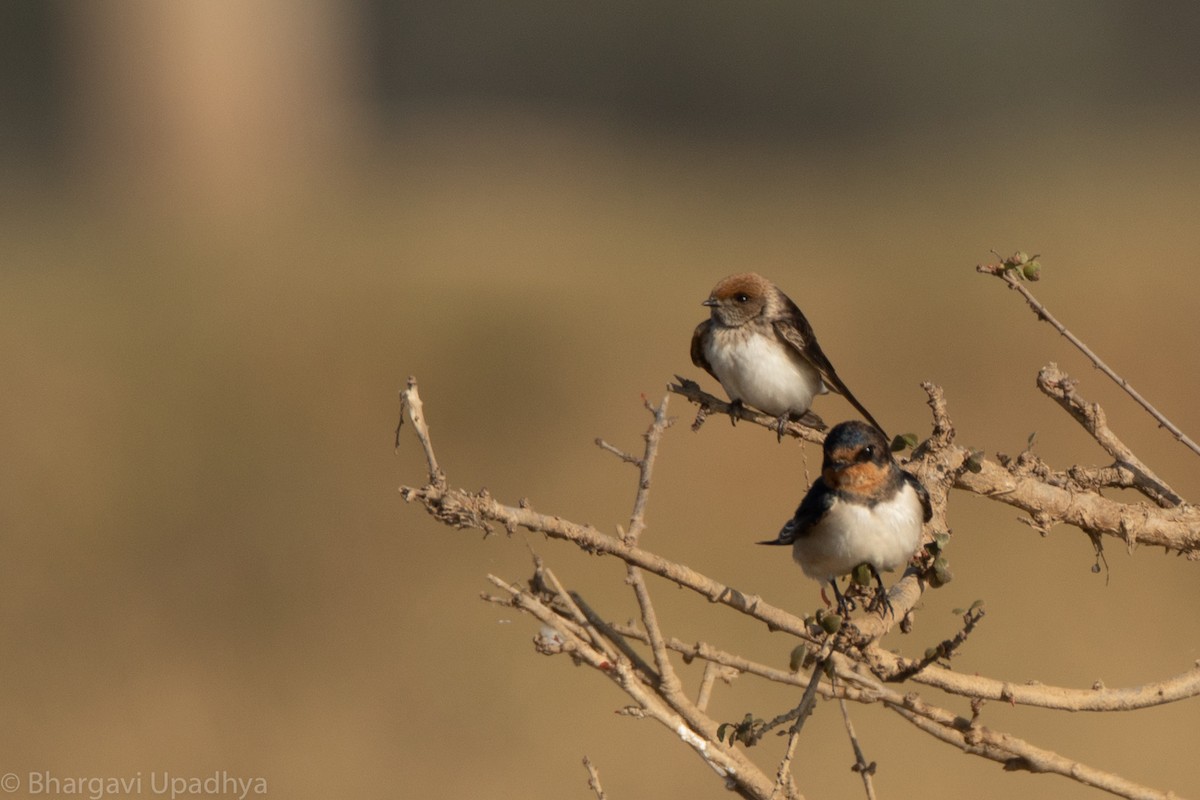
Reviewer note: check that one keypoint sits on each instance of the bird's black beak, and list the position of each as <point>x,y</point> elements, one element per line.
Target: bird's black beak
<point>780,540</point>
<point>710,302</point>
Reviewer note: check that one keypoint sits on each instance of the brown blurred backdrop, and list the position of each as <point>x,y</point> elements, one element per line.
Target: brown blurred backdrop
<point>231,229</point>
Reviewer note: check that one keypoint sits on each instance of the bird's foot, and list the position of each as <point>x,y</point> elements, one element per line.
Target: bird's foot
<point>735,411</point>
<point>880,602</point>
<point>844,604</point>
<point>781,425</point>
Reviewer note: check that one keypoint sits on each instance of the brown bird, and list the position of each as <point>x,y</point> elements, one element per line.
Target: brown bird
<point>760,347</point>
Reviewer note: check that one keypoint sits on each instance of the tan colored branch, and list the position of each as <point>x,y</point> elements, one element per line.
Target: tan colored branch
<point>861,766</point>
<point>708,404</point>
<point>1004,272</point>
<point>410,405</point>
<point>1016,754</point>
<point>594,779</point>
<point>1060,387</point>
<point>731,764</point>
<point>461,509</point>
<point>1175,529</point>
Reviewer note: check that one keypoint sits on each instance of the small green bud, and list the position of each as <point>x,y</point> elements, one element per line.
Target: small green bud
<point>862,575</point>
<point>796,661</point>
<point>941,573</point>
<point>904,441</point>
<point>1019,258</point>
<point>1032,271</point>
<point>831,623</point>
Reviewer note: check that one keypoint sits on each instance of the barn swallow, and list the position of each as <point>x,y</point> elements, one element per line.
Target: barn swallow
<point>863,509</point>
<point>760,347</point>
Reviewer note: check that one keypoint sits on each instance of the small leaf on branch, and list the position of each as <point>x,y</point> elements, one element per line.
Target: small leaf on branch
<point>797,658</point>
<point>941,573</point>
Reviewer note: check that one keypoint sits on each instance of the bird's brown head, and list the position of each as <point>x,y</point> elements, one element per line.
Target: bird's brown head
<point>739,299</point>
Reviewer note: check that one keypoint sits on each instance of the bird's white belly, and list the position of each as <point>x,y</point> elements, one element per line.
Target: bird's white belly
<point>885,535</point>
<point>763,372</point>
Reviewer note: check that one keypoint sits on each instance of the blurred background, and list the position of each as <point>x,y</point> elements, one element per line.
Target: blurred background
<point>231,230</point>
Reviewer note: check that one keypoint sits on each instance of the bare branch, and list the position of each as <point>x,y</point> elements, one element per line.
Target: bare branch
<point>1016,754</point>
<point>668,681</point>
<point>885,665</point>
<point>1005,273</point>
<point>594,779</point>
<point>461,509</point>
<point>739,772</point>
<point>708,404</point>
<point>1175,529</point>
<point>410,404</point>
<point>1013,752</point>
<point>1180,687</point>
<point>861,766</point>
<point>1060,387</point>
<point>576,613</point>
<point>628,458</point>
<point>637,520</point>
<point>799,715</point>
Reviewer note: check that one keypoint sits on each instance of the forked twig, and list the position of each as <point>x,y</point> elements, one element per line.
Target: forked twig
<point>861,766</point>
<point>1004,272</point>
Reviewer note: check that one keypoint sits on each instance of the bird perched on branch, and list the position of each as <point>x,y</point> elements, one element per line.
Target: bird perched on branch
<point>760,347</point>
<point>863,509</point>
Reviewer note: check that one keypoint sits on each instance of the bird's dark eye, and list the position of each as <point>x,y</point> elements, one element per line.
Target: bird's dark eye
<point>742,297</point>
<point>867,453</point>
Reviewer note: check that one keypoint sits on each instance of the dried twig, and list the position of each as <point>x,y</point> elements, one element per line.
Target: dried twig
<point>709,404</point>
<point>861,766</point>
<point>1004,272</point>
<point>410,405</point>
<point>594,779</point>
<point>1060,387</point>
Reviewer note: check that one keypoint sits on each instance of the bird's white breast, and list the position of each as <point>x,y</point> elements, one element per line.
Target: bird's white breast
<point>762,371</point>
<point>885,535</point>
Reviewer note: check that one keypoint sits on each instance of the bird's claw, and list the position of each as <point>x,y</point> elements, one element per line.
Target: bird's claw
<point>735,411</point>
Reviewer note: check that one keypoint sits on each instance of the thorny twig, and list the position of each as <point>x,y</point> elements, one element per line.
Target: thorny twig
<point>593,779</point>
<point>1004,272</point>
<point>861,766</point>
